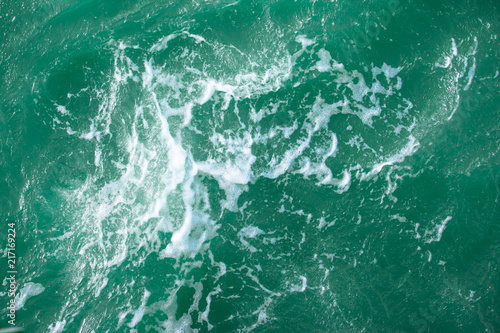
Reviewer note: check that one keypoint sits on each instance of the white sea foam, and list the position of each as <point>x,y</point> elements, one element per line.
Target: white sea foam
<point>156,172</point>
<point>57,327</point>
<point>249,232</point>
<point>162,43</point>
<point>323,64</point>
<point>29,290</point>
<point>139,313</point>
<point>407,150</point>
<point>62,109</point>
<point>300,288</point>
<point>438,230</point>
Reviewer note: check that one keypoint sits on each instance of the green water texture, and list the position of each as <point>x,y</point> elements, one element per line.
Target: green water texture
<point>251,166</point>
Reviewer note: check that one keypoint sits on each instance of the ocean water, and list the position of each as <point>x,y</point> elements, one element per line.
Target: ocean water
<point>250,166</point>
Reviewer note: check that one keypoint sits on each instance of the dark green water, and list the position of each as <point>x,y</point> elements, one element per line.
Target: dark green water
<point>251,166</point>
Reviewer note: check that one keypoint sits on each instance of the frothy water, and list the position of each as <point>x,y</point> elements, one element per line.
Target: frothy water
<point>224,167</point>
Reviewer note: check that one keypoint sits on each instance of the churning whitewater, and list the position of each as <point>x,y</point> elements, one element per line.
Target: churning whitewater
<point>251,166</point>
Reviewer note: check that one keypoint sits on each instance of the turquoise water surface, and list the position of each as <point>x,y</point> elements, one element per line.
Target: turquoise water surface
<point>250,166</point>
